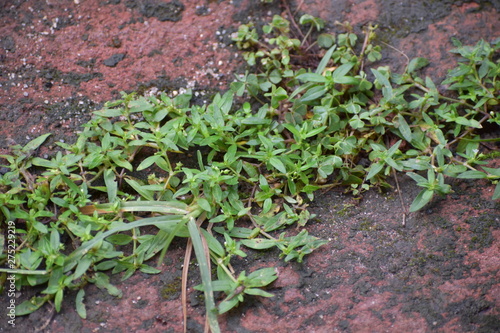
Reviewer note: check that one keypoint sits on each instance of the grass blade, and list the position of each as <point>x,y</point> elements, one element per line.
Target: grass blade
<point>206,277</point>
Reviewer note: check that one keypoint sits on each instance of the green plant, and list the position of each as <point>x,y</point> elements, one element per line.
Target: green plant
<point>261,151</point>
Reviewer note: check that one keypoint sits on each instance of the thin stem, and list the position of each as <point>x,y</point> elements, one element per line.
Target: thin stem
<point>260,229</point>
<point>468,131</point>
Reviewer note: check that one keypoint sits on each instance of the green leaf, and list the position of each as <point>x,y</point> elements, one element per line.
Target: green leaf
<point>120,161</point>
<point>492,171</point>
<point>375,168</point>
<point>211,310</point>
<point>204,204</point>
<point>326,40</point>
<point>44,163</point>
<point>467,122</point>
<point>416,64</point>
<point>257,292</point>
<point>111,184</point>
<point>258,243</point>
<point>472,174</point>
<point>261,277</point>
<point>276,162</point>
<point>313,93</point>
<point>139,105</point>
<point>30,306</point>
<point>421,200</point>
<point>119,239</point>
<point>167,207</point>
<point>404,128</point>
<point>228,304</point>
<point>55,240</point>
<point>237,232</point>
<point>58,299</point>
<point>255,121</point>
<point>213,244</point>
<point>148,161</point>
<point>158,221</point>
<point>324,61</point>
<point>315,131</point>
<point>141,189</point>
<point>71,185</point>
<point>341,71</point>
<point>496,194</point>
<point>311,77</point>
<point>148,269</point>
<point>275,76</point>
<point>109,113</point>
<point>101,281</point>
<point>35,143</point>
<point>381,78</point>
<point>82,267</point>
<point>80,307</point>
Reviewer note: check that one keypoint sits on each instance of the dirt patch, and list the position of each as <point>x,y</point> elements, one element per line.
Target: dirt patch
<point>60,60</point>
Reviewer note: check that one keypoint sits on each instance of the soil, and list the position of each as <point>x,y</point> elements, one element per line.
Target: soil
<point>437,270</point>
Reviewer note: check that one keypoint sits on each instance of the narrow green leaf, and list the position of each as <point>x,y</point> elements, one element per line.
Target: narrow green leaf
<point>204,204</point>
<point>213,244</point>
<point>230,156</point>
<point>404,128</point>
<point>70,184</point>
<point>311,77</point>
<point>324,61</point>
<point>313,93</point>
<point>167,207</point>
<point>101,281</point>
<point>141,189</point>
<point>255,121</point>
<point>58,299</point>
<point>44,163</point>
<point>30,306</point>
<point>158,221</point>
<point>381,78</point>
<point>342,70</point>
<point>111,184</point>
<point>82,267</point>
<point>261,277</point>
<point>496,194</point>
<point>375,168</point>
<point>35,143</point>
<point>228,304</point>
<point>55,240</point>
<point>416,64</point>
<point>492,171</point>
<point>206,278</point>
<point>472,174</point>
<point>421,200</point>
<point>259,243</point>
<point>148,269</point>
<point>416,177</point>
<point>315,131</point>
<point>237,232</point>
<point>257,292</point>
<point>121,162</point>
<point>148,161</point>
<point>276,162</point>
<point>80,307</point>
<point>119,239</point>
<point>139,105</point>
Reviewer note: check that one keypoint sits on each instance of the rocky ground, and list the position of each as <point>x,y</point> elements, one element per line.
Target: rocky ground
<point>437,272</point>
